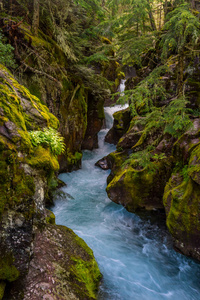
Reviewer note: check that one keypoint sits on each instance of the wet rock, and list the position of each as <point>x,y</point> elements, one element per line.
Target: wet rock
<point>58,266</point>
<point>120,126</point>
<point>181,201</point>
<point>103,163</point>
<point>95,117</point>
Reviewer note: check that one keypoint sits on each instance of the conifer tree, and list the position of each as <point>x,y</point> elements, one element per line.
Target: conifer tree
<point>182,31</point>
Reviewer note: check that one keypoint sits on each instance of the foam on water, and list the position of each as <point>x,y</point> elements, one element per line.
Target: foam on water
<point>135,256</point>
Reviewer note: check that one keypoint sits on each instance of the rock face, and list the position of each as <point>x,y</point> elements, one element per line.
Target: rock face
<point>63,267</point>
<point>138,188</point>
<point>181,196</point>
<point>72,94</point>
<point>95,117</point>
<point>27,173</point>
<point>152,171</point>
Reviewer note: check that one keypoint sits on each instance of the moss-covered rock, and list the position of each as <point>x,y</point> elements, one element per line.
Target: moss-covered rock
<point>7,270</point>
<point>137,188</point>
<point>131,136</point>
<point>181,200</point>
<point>121,124</point>
<point>25,170</point>
<point>68,269</point>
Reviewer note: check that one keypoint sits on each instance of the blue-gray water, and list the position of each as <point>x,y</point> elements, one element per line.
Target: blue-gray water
<point>135,256</point>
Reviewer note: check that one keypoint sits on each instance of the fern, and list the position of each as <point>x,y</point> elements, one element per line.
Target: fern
<point>49,137</point>
<point>141,160</point>
<point>177,117</point>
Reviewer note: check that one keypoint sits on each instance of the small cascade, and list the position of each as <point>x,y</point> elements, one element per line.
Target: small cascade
<point>122,87</point>
<point>109,111</point>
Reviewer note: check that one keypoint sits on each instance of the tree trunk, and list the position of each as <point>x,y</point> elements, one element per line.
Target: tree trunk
<point>180,87</point>
<point>151,17</point>
<point>36,16</point>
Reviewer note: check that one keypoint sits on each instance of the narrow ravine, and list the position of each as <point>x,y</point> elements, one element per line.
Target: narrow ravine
<point>135,256</point>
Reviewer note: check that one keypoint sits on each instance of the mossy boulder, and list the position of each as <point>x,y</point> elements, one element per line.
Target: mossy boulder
<point>132,136</point>
<point>182,192</point>
<point>139,188</point>
<point>121,124</point>
<point>63,267</point>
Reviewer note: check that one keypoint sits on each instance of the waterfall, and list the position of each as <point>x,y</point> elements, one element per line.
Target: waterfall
<point>122,87</point>
<point>110,110</point>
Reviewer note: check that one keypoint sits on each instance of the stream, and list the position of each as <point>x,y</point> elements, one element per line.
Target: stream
<point>134,255</point>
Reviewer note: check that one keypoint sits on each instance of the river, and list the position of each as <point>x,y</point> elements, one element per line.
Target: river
<point>134,255</point>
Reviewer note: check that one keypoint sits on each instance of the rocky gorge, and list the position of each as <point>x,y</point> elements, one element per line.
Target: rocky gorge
<point>52,98</point>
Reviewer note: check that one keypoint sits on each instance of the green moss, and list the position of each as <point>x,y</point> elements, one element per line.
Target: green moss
<point>194,164</point>
<point>43,159</point>
<point>74,159</point>
<point>23,186</point>
<point>88,273</point>
<point>25,144</point>
<point>9,102</point>
<point>50,218</point>
<point>83,245</point>
<point>116,159</point>
<point>34,89</point>
<point>181,200</point>
<point>137,186</point>
<point>7,270</point>
<point>2,289</point>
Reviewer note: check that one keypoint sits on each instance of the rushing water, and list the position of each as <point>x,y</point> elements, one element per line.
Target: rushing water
<point>122,87</point>
<point>135,256</point>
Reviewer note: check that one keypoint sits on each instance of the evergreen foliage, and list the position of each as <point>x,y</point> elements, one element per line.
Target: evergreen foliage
<point>144,96</point>
<point>182,29</point>
<point>176,116</point>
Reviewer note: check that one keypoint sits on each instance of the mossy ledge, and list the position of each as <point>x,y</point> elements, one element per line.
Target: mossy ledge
<point>27,173</point>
